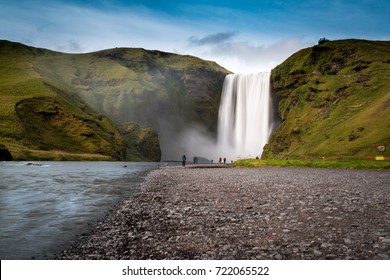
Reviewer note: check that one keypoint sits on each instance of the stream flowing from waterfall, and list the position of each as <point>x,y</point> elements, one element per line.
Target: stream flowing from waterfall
<point>245,115</point>
<point>45,206</point>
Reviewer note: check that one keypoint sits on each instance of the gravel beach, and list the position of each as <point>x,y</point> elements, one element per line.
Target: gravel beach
<point>240,213</point>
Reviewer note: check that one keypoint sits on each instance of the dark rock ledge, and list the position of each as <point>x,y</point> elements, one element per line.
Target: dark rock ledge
<point>234,213</point>
<point>5,154</point>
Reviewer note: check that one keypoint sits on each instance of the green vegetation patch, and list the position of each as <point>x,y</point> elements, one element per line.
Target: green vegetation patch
<point>334,102</point>
<point>142,144</point>
<point>49,125</point>
<point>347,164</point>
<point>149,88</point>
<point>42,122</point>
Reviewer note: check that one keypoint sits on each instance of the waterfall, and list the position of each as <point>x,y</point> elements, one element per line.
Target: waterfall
<point>245,115</point>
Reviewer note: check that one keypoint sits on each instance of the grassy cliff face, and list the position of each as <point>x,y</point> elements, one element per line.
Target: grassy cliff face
<point>164,91</point>
<point>41,120</point>
<point>334,102</point>
<point>144,142</point>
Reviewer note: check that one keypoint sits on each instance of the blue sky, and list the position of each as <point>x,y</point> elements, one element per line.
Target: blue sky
<point>242,36</point>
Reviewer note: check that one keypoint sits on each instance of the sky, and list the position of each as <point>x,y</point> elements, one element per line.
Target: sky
<point>243,36</point>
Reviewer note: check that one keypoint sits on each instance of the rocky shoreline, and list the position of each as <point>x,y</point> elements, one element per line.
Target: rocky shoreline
<point>237,213</point>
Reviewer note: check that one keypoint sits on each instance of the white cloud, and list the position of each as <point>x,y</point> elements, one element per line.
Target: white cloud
<point>70,28</point>
<point>243,57</point>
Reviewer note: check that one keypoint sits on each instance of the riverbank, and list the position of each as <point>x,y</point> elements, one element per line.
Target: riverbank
<point>241,213</point>
<point>380,164</point>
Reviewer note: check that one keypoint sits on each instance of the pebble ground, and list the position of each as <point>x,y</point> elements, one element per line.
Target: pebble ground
<point>241,213</point>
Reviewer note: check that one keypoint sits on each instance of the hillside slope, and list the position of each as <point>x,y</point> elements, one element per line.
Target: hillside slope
<point>156,90</point>
<point>168,92</point>
<point>42,120</point>
<point>334,102</point>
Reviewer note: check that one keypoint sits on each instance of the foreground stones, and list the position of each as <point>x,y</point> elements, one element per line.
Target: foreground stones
<point>262,213</point>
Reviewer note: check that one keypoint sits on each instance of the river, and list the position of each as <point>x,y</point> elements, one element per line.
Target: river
<point>45,206</point>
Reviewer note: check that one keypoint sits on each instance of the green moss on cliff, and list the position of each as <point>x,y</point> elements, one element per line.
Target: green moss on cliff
<point>334,101</point>
<point>165,91</point>
<point>41,120</point>
<point>142,143</point>
<point>48,124</point>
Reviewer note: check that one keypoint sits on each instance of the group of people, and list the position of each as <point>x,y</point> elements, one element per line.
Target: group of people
<point>184,159</point>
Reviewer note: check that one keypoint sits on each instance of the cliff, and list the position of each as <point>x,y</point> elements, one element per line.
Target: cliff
<point>42,120</point>
<point>165,91</point>
<point>54,105</point>
<point>334,101</point>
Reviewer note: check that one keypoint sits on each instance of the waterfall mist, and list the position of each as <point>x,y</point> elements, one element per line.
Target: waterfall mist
<point>246,120</point>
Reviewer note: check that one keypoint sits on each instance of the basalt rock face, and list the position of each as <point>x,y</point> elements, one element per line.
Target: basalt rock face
<point>5,155</point>
<point>166,92</point>
<point>334,101</point>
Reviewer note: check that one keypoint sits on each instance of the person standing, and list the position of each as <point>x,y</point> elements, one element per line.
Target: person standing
<point>183,160</point>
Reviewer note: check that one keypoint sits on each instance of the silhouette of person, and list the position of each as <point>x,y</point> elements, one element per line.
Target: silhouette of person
<point>183,160</point>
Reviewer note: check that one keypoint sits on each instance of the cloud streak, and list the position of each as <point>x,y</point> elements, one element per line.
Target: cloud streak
<point>212,39</point>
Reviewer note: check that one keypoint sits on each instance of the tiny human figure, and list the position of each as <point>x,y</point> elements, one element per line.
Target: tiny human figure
<point>220,160</point>
<point>183,160</point>
<point>224,160</point>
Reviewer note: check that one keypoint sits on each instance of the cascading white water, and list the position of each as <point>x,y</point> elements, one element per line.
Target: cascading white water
<point>245,117</point>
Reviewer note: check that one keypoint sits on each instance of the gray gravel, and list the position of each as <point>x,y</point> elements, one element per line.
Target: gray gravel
<point>236,213</point>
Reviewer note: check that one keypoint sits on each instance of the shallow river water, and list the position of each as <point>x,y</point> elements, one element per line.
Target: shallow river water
<point>44,206</point>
